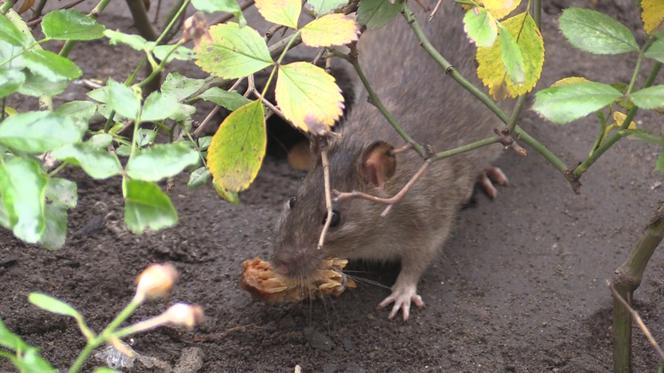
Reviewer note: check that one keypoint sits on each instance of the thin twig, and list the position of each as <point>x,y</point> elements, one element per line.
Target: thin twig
<point>435,10</point>
<point>205,124</point>
<point>328,195</point>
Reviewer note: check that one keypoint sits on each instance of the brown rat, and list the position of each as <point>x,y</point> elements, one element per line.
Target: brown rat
<point>435,111</point>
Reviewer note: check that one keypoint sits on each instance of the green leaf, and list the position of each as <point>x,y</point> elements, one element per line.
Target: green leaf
<point>79,111</point>
<point>32,362</point>
<point>123,100</point>
<point>238,148</point>
<point>480,26</point>
<point>321,7</point>
<point>649,98</point>
<point>105,370</point>
<point>62,192</point>
<point>281,12</point>
<point>136,42</point>
<point>23,188</point>
<point>161,161</point>
<point>10,340</point>
<point>181,86</point>
<point>232,51</point>
<point>101,140</point>
<point>50,65</point>
<point>147,207</point>
<point>146,137</point>
<point>180,53</point>
<point>183,113</point>
<point>204,142</point>
<point>12,54</point>
<point>97,163</point>
<point>53,305</point>
<point>377,13</point>
<point>656,50</point>
<point>212,6</point>
<point>659,166</point>
<point>37,85</point>
<point>511,56</point>
<point>10,81</point>
<point>55,234</point>
<point>71,25</point>
<point>158,106</point>
<point>10,33</point>
<point>231,197</point>
<point>198,177</point>
<point>38,131</point>
<point>568,102</point>
<point>230,100</point>
<point>596,33</point>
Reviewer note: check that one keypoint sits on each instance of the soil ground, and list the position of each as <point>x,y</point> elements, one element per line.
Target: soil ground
<point>519,288</point>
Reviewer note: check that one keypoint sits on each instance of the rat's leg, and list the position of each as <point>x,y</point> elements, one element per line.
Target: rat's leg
<point>486,180</point>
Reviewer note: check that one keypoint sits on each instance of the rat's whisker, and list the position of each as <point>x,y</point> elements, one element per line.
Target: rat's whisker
<point>368,281</point>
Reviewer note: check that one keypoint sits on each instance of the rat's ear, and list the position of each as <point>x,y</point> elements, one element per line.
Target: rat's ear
<point>377,163</point>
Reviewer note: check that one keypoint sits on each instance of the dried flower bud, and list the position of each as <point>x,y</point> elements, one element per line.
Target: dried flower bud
<point>186,315</point>
<point>195,28</point>
<point>156,280</point>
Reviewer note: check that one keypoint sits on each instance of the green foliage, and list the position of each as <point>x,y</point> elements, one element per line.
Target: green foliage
<point>656,50</point>
<point>161,161</point>
<point>97,163</point>
<point>227,99</point>
<point>71,25</point>
<point>147,207</point>
<point>23,186</point>
<point>38,131</point>
<point>565,103</point>
<point>321,7</point>
<point>649,98</point>
<point>595,32</point>
<point>50,65</point>
<point>512,57</point>
<point>53,305</point>
<point>377,13</point>
<point>480,26</point>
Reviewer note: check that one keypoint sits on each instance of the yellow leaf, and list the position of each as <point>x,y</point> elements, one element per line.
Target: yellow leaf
<point>491,69</point>
<point>653,14</point>
<point>500,8</point>
<point>281,12</point>
<point>619,119</point>
<point>329,30</point>
<point>570,80</point>
<point>308,96</point>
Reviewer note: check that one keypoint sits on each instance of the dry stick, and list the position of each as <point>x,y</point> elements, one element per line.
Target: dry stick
<point>435,10</point>
<point>638,319</point>
<point>626,280</point>
<point>328,195</point>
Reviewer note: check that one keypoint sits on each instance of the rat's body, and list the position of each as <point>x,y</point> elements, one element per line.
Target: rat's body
<point>435,111</point>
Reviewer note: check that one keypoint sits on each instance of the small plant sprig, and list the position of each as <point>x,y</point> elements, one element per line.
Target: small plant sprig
<point>154,282</point>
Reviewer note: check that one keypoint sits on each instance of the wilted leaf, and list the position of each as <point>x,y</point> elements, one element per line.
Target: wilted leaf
<point>10,81</point>
<point>38,131</point>
<point>330,30</point>
<point>232,51</point>
<point>321,7</point>
<point>158,106</point>
<point>570,80</point>
<point>53,305</point>
<point>512,57</point>
<point>22,189</point>
<point>161,161</point>
<point>181,86</point>
<point>500,8</point>
<point>491,68</point>
<point>50,65</point>
<point>97,163</point>
<point>281,12</point>
<point>652,14</point>
<point>238,147</point>
<point>230,100</point>
<point>595,32</point>
<point>136,42</point>
<point>480,26</point>
<point>377,13</point>
<point>568,102</point>
<point>618,120</point>
<point>231,197</point>
<point>71,25</point>
<point>123,100</point>
<point>147,207</point>
<point>649,98</point>
<point>306,93</point>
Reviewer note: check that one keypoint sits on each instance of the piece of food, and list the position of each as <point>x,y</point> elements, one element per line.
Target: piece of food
<point>260,280</point>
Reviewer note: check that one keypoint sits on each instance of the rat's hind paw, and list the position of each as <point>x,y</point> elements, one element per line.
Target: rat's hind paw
<point>401,297</point>
<point>487,179</point>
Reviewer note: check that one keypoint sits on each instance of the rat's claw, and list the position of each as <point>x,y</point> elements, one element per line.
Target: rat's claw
<point>491,176</point>
<point>402,297</point>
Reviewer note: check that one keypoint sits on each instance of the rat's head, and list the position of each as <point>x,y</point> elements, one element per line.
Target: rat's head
<point>363,168</point>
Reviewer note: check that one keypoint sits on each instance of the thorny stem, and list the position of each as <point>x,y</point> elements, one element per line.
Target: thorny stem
<point>94,13</point>
<point>328,196</point>
<point>466,148</point>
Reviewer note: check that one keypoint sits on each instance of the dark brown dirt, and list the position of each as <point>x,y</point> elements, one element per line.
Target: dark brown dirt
<point>519,288</point>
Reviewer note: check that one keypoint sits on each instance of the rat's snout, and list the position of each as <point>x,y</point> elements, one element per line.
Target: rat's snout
<point>292,263</point>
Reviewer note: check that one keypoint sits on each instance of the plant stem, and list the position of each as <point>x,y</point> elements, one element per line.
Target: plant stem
<point>466,148</point>
<point>8,4</point>
<point>69,44</point>
<point>173,19</point>
<point>155,72</point>
<point>290,42</point>
<point>141,20</point>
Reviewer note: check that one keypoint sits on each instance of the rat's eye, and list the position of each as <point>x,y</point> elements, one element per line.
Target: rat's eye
<point>336,219</point>
<point>291,202</point>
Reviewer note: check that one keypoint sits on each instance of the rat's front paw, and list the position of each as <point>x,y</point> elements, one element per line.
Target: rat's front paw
<point>401,297</point>
<point>487,179</point>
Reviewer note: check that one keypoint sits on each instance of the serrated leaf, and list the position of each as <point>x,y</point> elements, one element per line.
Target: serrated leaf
<point>491,68</point>
<point>652,14</point>
<point>161,161</point>
<point>500,8</point>
<point>330,30</point>
<point>71,25</point>
<point>480,26</point>
<point>147,207</point>
<point>377,13</point>
<point>238,147</point>
<point>181,86</point>
<point>10,33</point>
<point>79,111</point>
<point>180,53</point>
<point>37,85</point>
<point>570,80</point>
<point>134,41</point>
<point>22,189</point>
<point>656,50</point>
<point>62,192</point>
<point>53,305</point>
<point>232,51</point>
<point>281,12</point>
<point>510,54</point>
<point>158,106</point>
<point>649,98</point>
<point>198,177</point>
<point>307,95</point>
<point>50,65</point>
<point>566,103</point>
<point>38,131</point>
<point>97,163</point>
<point>230,100</point>
<point>10,81</point>
<point>123,100</point>
<point>321,7</point>
<point>595,32</point>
